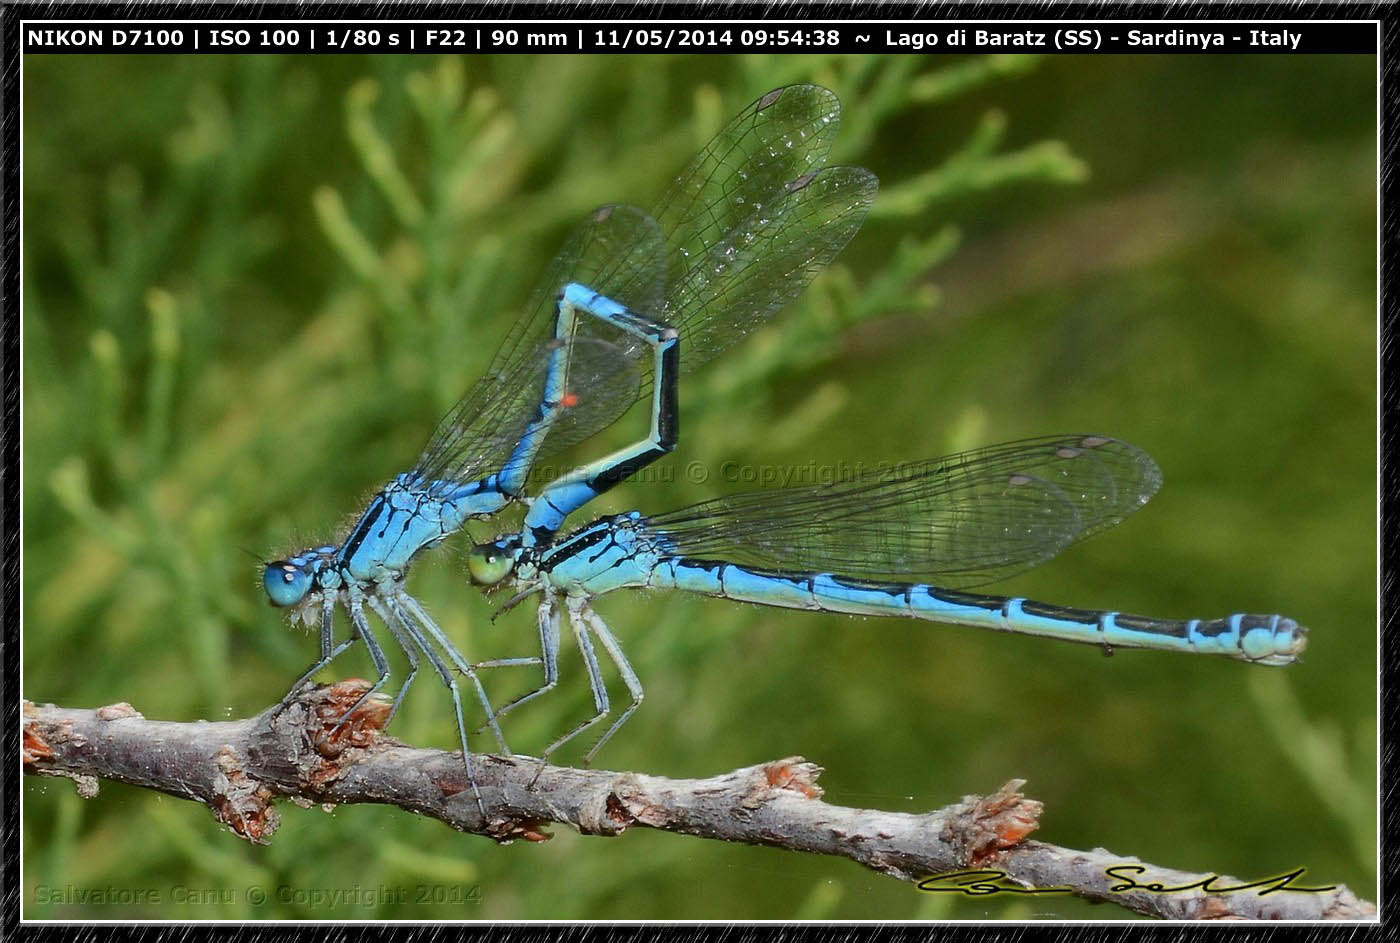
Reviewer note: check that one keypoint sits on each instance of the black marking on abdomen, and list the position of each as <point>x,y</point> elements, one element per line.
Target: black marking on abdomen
<point>605,479</point>
<point>1169,627</point>
<point>798,579</point>
<point>976,600</point>
<point>1064,613</point>
<point>668,422</point>
<point>855,582</point>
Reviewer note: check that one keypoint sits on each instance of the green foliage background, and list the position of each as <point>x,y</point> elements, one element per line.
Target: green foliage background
<point>253,283</point>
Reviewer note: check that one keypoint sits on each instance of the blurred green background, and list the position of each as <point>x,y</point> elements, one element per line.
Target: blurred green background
<point>252,284</point>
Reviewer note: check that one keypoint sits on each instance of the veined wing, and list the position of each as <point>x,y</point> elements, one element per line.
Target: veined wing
<point>767,260</point>
<point>744,228</point>
<point>602,381</point>
<point>958,521</point>
<point>755,216</point>
<point>618,250</point>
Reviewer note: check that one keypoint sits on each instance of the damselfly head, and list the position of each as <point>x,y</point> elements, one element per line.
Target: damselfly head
<point>488,564</point>
<point>287,581</point>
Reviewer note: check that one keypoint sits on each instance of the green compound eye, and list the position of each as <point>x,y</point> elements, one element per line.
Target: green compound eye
<point>488,564</point>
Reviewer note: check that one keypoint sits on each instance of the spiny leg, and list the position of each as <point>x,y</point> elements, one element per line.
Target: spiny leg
<point>547,618</point>
<point>525,662</point>
<point>421,617</point>
<point>329,651</point>
<point>408,643</point>
<point>629,677</point>
<point>354,604</point>
<point>595,683</point>
<point>406,622</point>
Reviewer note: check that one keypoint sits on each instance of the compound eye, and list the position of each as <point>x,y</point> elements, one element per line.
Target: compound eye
<point>488,564</point>
<point>286,583</point>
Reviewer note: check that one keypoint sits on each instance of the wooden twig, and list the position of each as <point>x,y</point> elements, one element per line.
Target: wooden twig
<point>976,847</point>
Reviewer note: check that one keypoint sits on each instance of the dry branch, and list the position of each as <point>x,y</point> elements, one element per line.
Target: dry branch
<point>238,768</point>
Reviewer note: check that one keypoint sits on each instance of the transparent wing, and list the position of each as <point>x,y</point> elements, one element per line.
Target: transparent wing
<point>957,521</point>
<point>603,379</point>
<point>767,260</point>
<point>747,224</point>
<point>778,138</point>
<point>741,231</point>
<point>619,250</point>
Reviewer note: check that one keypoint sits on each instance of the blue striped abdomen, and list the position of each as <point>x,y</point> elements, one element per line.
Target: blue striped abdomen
<point>1264,639</point>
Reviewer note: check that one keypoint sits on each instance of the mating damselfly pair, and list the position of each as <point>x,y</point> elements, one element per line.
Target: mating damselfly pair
<point>632,300</point>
